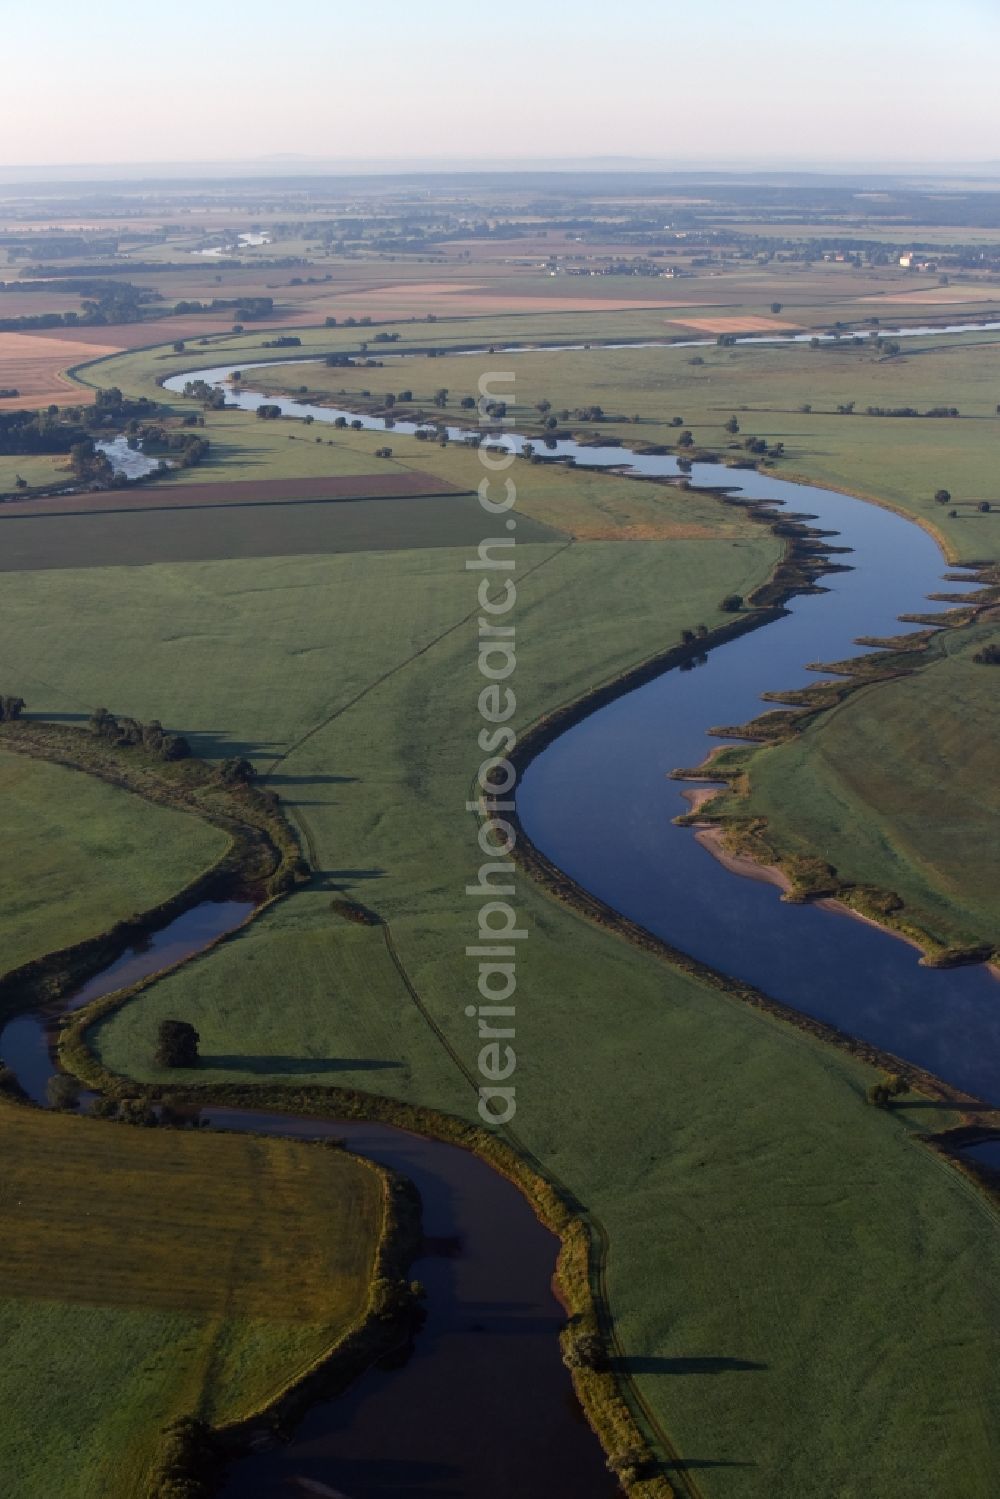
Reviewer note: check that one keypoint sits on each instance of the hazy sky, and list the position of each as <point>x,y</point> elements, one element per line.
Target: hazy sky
<point>199,79</point>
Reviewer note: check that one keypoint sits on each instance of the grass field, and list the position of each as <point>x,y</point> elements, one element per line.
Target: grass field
<point>900,460</point>
<point>149,1274</point>
<point>751,1192</point>
<point>87,856</point>
<point>897,788</point>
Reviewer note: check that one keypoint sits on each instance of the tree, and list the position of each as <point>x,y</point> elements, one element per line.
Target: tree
<point>732,603</point>
<point>390,400</point>
<point>62,1091</point>
<point>732,425</point>
<point>441,397</point>
<point>775,307</point>
<point>103,723</point>
<point>20,482</point>
<point>11,708</point>
<point>942,496</point>
<point>237,771</point>
<point>583,1349</point>
<point>686,439</point>
<point>177,1045</point>
<point>984,507</point>
<point>179,346</point>
<point>546,406</point>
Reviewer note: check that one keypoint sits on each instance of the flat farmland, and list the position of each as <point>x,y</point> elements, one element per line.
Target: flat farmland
<point>154,1268</point>
<point>167,496</point>
<point>899,460</point>
<point>174,532</point>
<point>747,324</point>
<point>33,365</point>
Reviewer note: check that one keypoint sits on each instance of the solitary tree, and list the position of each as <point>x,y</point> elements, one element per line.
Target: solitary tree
<point>942,496</point>
<point>775,307</point>
<point>732,603</point>
<point>686,439</point>
<point>732,425</point>
<point>177,1045</point>
<point>237,771</point>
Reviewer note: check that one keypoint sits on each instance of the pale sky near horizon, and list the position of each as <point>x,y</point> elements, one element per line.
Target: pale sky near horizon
<point>901,80</point>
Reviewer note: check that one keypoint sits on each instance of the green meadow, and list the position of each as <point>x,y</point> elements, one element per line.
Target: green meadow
<point>87,855</point>
<point>897,787</point>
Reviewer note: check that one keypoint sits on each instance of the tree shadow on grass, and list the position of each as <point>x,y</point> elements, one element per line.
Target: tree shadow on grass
<point>266,1065</point>
<point>702,1364</point>
<point>280,779</point>
<point>686,1464</point>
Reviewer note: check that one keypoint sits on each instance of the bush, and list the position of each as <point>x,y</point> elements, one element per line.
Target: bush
<point>177,1045</point>
<point>11,708</point>
<point>62,1091</point>
<point>583,1348</point>
<point>732,603</point>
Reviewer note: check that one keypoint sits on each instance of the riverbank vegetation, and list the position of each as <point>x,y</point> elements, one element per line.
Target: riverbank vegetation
<point>894,788</point>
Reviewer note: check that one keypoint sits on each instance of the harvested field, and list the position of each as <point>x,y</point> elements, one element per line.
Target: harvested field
<point>90,343</point>
<point>944,295</point>
<point>165,496</point>
<point>185,533</point>
<point>459,298</point>
<point>744,324</point>
<point>32,365</point>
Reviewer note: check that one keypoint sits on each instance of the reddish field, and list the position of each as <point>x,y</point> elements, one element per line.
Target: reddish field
<point>748,324</point>
<point>32,365</point>
<point>165,496</point>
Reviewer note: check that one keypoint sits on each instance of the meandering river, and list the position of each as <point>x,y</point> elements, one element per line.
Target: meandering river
<point>484,1406</point>
<point>615,764</point>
